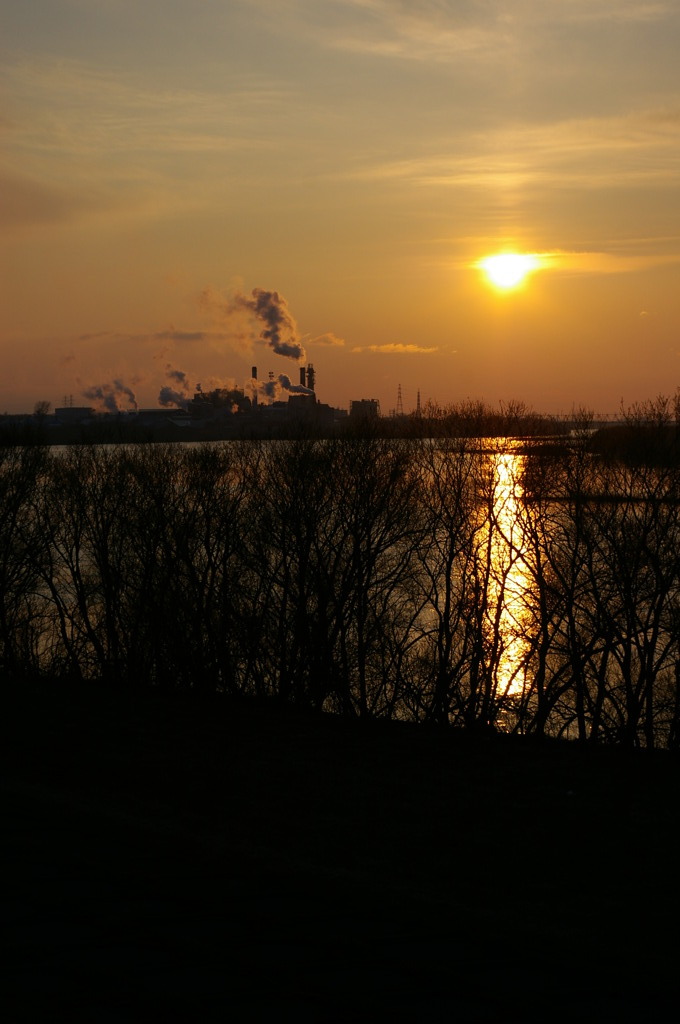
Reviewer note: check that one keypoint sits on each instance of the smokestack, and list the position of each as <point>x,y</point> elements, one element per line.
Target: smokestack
<point>303,379</point>
<point>311,377</point>
<point>253,373</point>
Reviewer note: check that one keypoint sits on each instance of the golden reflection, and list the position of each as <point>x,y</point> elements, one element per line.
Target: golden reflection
<point>509,579</point>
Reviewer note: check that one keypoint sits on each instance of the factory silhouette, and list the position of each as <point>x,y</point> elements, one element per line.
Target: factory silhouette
<point>264,405</point>
<point>273,407</point>
<point>270,407</point>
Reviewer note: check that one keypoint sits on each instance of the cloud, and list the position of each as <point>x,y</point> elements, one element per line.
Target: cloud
<point>96,335</point>
<point>183,337</point>
<point>400,29</point>
<point>180,337</point>
<point>395,348</point>
<point>26,202</point>
<point>616,261</point>
<point>84,141</point>
<point>613,151</point>
<point>134,113</point>
<point>433,31</point>
<point>328,340</point>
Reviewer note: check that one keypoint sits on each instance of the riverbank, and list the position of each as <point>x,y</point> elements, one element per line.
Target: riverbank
<point>177,858</point>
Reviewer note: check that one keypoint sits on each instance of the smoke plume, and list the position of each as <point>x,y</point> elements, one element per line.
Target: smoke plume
<point>179,395</point>
<point>297,389</point>
<point>113,396</point>
<point>272,388</point>
<point>270,309</point>
<point>168,397</point>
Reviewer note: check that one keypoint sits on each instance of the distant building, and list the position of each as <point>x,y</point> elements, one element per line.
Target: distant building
<point>73,414</point>
<point>364,409</point>
<point>160,417</point>
<point>301,404</point>
<point>216,404</point>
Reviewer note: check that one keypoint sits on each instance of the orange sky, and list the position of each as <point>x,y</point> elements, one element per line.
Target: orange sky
<point>359,157</point>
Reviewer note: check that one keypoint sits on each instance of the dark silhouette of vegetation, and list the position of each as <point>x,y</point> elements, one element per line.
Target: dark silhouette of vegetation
<point>454,582</point>
<point>251,861</point>
<point>648,434</point>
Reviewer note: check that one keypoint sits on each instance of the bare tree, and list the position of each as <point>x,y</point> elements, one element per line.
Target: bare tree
<point>24,606</point>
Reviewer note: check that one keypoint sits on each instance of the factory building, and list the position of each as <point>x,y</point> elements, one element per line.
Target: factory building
<point>73,414</point>
<point>364,409</point>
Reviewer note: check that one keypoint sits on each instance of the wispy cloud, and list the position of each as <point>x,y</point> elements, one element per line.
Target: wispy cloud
<point>615,261</point>
<point>171,334</point>
<point>133,112</point>
<point>184,337</point>
<point>432,30</point>
<point>25,201</point>
<point>390,28</point>
<point>80,139</point>
<point>641,147</point>
<point>326,340</point>
<point>394,348</point>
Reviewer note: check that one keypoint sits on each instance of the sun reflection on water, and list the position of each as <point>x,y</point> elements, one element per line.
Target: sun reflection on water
<point>510,577</point>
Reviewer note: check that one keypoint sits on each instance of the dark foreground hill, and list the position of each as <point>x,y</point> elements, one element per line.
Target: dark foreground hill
<point>168,858</point>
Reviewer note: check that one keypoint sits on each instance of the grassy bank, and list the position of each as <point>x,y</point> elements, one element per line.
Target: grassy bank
<point>176,858</point>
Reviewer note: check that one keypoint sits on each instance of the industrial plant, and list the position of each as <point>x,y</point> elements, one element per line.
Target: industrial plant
<point>260,406</point>
<point>270,406</point>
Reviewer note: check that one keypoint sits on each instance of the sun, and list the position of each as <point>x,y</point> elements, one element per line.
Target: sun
<point>507,270</point>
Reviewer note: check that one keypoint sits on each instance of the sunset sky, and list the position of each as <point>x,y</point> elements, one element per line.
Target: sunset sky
<point>161,160</point>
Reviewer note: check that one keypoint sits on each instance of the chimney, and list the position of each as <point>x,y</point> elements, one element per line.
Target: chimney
<point>302,376</point>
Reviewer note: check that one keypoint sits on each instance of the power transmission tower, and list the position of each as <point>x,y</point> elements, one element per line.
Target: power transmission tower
<point>400,404</point>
